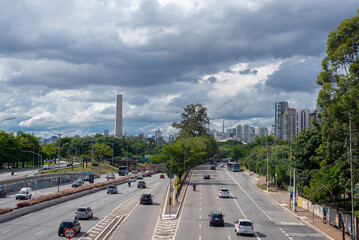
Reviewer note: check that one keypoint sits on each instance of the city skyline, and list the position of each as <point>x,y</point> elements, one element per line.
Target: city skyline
<point>61,69</point>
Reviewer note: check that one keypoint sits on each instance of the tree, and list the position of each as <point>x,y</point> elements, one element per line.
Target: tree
<point>194,121</point>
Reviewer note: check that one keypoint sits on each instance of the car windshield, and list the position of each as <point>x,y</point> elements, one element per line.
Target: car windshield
<point>22,192</point>
<point>111,187</point>
<point>66,224</point>
<point>245,223</point>
<point>81,210</point>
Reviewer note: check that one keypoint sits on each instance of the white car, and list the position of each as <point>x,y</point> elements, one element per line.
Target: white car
<point>223,192</point>
<point>243,226</point>
<point>221,165</point>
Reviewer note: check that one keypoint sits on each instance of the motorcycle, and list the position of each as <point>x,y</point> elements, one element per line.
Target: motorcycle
<point>194,187</point>
<point>129,184</point>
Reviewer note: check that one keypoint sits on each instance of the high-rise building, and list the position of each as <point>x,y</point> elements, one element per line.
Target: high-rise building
<point>158,137</point>
<point>105,133</point>
<point>288,124</point>
<point>118,125</point>
<point>260,131</point>
<point>279,109</point>
<point>303,120</point>
<point>239,132</point>
<point>246,133</point>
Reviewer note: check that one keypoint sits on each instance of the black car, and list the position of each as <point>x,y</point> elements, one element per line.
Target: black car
<point>141,184</point>
<point>69,223</point>
<point>76,184</point>
<point>206,176</point>
<point>87,178</point>
<point>213,167</point>
<point>216,219</point>
<point>2,193</point>
<point>111,189</point>
<point>146,199</point>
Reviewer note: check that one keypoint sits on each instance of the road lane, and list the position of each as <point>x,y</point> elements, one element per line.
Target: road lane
<point>141,223</point>
<point>246,201</point>
<point>47,220</point>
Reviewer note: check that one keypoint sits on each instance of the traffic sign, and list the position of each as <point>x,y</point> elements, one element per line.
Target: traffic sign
<point>147,166</point>
<point>69,233</point>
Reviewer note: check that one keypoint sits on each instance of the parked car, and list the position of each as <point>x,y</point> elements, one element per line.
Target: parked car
<point>76,184</point>
<point>221,165</point>
<point>2,193</point>
<point>244,226</point>
<point>141,184</point>
<point>206,176</point>
<point>146,199</point>
<point>213,167</point>
<point>83,213</point>
<point>69,223</point>
<point>32,175</point>
<point>112,189</point>
<point>132,179</point>
<point>223,192</point>
<point>162,176</point>
<point>68,164</point>
<point>216,218</point>
<point>140,176</point>
<point>24,193</point>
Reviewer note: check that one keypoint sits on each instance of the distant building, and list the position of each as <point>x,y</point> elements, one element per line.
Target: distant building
<point>303,120</point>
<point>246,133</point>
<point>288,124</point>
<point>231,132</point>
<point>158,137</point>
<point>239,132</point>
<point>279,109</point>
<point>105,133</point>
<point>118,123</point>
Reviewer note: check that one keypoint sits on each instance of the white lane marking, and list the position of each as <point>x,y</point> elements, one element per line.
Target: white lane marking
<point>200,216</point>
<point>218,203</point>
<point>199,237</point>
<point>200,209</point>
<point>220,209</point>
<point>40,232</point>
<point>53,212</point>
<point>6,231</point>
<point>33,220</point>
<point>229,237</point>
<point>200,225</point>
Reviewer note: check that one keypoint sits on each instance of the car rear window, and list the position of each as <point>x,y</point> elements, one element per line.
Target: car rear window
<point>224,190</point>
<point>249,224</point>
<point>217,215</point>
<point>81,209</point>
<point>66,224</point>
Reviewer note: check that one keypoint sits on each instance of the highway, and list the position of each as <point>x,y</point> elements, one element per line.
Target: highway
<point>44,224</point>
<point>270,220</point>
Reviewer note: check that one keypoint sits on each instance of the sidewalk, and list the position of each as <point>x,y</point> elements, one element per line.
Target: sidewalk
<point>281,197</point>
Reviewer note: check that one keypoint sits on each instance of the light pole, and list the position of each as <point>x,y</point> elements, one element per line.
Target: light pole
<point>58,154</point>
<point>36,154</point>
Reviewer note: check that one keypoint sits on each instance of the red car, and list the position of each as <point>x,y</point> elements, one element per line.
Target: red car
<point>162,176</point>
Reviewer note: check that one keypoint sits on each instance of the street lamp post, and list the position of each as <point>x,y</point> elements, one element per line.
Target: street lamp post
<point>58,154</point>
<point>34,153</point>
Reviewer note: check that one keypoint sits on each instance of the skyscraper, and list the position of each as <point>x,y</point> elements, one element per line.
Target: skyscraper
<point>279,109</point>
<point>118,125</point>
<point>239,132</point>
<point>246,133</point>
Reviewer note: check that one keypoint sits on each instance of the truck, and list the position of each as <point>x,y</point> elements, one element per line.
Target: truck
<point>122,171</point>
<point>24,193</point>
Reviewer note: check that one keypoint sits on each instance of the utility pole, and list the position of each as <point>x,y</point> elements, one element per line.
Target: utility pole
<point>267,166</point>
<point>294,191</point>
<point>351,176</point>
<point>290,186</point>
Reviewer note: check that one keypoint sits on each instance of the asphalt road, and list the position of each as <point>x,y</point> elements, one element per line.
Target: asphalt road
<point>44,224</point>
<point>141,223</point>
<point>270,220</point>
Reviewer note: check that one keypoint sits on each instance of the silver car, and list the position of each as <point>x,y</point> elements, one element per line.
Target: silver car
<point>83,213</point>
<point>244,226</point>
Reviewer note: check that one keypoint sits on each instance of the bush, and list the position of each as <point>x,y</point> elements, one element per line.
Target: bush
<point>5,210</point>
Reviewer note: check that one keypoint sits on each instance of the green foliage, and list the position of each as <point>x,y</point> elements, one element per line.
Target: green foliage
<point>194,121</point>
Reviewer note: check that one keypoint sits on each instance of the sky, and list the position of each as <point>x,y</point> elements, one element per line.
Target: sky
<point>63,62</point>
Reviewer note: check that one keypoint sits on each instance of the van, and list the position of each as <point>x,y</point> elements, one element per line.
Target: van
<point>24,193</point>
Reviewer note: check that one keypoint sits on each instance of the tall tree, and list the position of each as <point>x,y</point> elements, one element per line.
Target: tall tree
<point>195,121</point>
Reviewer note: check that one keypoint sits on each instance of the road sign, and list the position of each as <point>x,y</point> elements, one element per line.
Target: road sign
<point>69,233</point>
<point>147,166</point>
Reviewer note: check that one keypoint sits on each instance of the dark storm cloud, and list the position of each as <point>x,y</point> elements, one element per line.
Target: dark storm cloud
<point>279,29</point>
<point>296,75</point>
